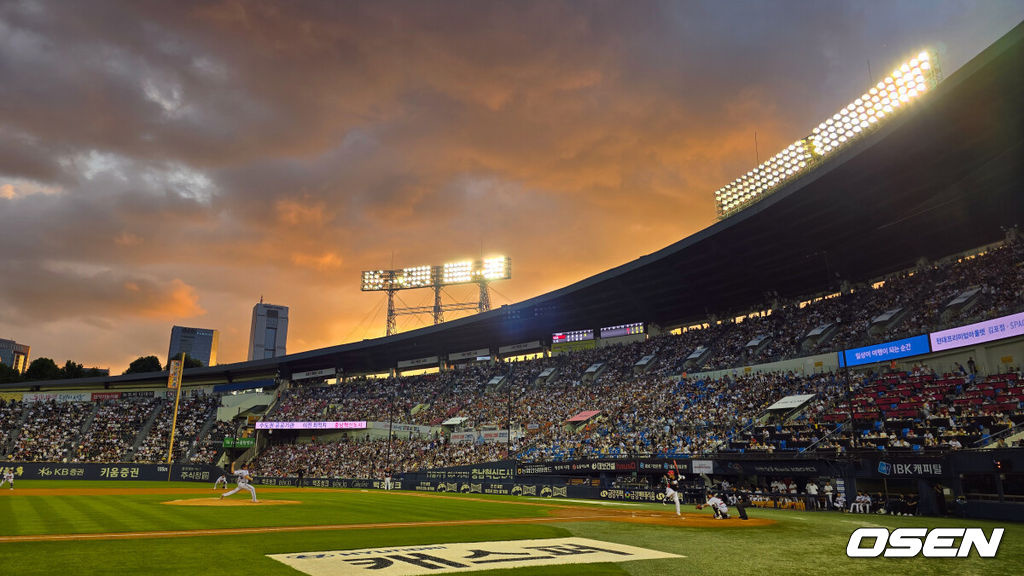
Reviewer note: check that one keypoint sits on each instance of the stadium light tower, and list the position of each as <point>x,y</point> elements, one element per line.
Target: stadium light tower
<point>480,272</point>
<point>906,84</point>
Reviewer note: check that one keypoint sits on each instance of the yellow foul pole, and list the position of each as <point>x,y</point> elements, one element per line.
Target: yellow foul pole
<point>175,371</point>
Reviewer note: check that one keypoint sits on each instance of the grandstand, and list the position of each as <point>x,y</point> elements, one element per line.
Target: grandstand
<point>906,233</point>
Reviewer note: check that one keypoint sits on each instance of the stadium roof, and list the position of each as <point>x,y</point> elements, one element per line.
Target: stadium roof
<point>942,177</point>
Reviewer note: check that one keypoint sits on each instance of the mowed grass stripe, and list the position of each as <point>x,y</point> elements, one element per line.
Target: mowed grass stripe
<point>147,512</point>
<point>7,513</point>
<point>113,520</point>
<point>42,516</point>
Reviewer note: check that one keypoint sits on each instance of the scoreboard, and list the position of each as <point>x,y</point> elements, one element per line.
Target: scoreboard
<point>622,330</point>
<point>572,336</point>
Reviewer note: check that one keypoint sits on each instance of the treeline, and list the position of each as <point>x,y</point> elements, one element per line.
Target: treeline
<point>47,369</point>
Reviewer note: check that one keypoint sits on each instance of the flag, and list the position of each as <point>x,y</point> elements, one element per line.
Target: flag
<point>174,374</point>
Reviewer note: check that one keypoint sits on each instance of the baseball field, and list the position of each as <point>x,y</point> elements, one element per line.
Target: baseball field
<point>85,528</point>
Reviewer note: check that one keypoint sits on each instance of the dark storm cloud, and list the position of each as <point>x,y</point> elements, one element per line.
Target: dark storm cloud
<point>171,161</point>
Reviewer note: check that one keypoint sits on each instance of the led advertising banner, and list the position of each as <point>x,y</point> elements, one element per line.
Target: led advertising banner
<point>987,331</point>
<point>914,346</point>
<point>310,425</point>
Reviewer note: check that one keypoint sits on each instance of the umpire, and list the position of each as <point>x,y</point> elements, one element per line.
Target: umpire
<point>742,501</point>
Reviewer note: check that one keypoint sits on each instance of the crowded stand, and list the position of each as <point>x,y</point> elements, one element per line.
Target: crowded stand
<point>370,459</point>
<point>900,411</point>
<point>598,403</point>
<point>49,430</point>
<point>208,449</point>
<point>10,421</point>
<point>114,428</point>
<point>922,301</point>
<point>193,412</point>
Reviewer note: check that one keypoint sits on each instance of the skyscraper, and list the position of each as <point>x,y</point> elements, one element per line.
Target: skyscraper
<point>14,355</point>
<point>269,331</point>
<point>199,343</point>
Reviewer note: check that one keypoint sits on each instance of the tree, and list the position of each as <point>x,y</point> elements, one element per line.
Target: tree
<point>8,374</point>
<point>144,364</point>
<point>43,369</point>
<point>72,370</point>
<point>190,362</point>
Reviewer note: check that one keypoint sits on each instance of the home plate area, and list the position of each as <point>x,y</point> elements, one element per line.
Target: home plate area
<point>464,557</point>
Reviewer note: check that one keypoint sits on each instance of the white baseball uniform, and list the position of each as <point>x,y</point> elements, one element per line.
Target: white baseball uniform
<point>720,508</point>
<point>8,477</point>
<point>242,477</point>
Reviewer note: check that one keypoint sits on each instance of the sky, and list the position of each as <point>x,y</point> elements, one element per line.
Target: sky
<point>168,163</point>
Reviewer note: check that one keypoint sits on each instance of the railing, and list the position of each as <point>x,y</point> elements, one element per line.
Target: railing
<point>1016,428</point>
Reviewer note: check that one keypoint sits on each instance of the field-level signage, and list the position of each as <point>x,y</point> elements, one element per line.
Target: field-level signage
<point>464,557</point>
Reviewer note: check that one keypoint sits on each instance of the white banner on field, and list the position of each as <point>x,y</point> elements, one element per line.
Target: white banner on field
<point>464,557</point>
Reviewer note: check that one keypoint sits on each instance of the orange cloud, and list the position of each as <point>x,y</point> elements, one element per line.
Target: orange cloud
<point>177,302</point>
<point>325,261</point>
<point>301,213</point>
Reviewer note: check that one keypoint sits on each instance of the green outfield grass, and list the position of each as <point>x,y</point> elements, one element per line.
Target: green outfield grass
<point>798,543</point>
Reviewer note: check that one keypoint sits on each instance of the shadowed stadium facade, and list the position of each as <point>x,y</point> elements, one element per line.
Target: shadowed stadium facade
<point>942,177</point>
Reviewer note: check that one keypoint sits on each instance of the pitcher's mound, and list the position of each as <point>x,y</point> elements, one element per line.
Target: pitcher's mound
<point>228,502</point>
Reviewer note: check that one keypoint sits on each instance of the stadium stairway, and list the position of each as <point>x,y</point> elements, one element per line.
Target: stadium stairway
<point>12,436</point>
<point>204,432</point>
<point>86,424</point>
<point>144,431</point>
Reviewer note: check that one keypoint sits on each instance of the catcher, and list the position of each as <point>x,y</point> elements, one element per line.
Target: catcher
<point>720,508</point>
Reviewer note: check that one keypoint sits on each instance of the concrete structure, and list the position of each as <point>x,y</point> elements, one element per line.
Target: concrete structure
<point>269,331</point>
<point>14,355</point>
<point>199,343</point>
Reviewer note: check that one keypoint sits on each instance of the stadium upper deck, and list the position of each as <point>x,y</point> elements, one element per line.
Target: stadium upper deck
<point>941,178</point>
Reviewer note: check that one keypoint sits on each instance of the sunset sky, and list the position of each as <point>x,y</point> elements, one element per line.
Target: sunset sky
<point>168,163</point>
